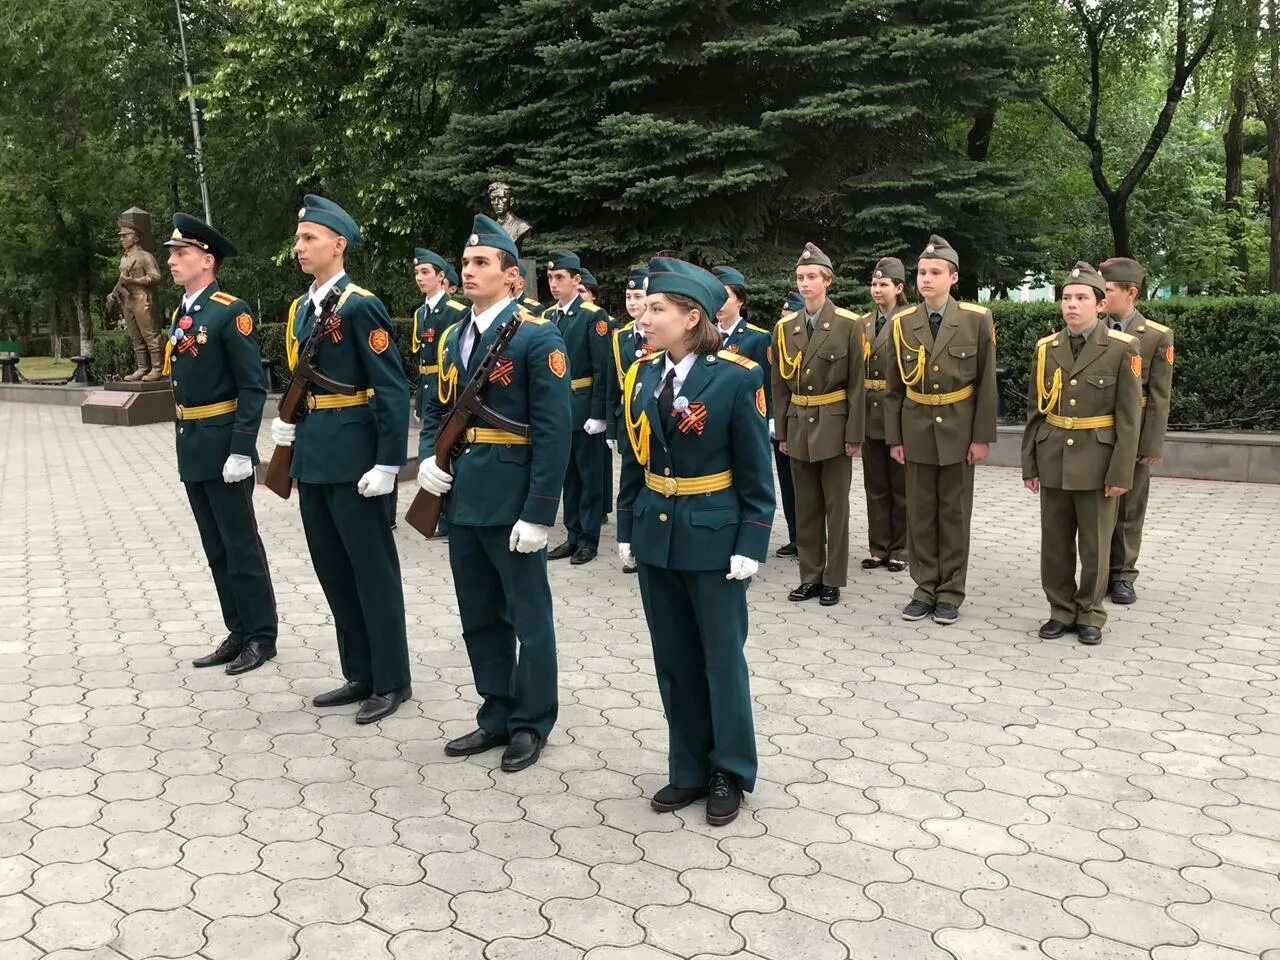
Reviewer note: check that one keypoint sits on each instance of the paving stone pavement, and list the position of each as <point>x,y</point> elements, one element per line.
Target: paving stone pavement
<point>926,792</point>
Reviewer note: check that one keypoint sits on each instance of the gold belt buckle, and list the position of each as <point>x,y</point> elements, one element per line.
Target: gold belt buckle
<point>311,402</point>
<point>470,435</point>
<point>669,486</point>
<point>180,409</point>
<point>1069,422</point>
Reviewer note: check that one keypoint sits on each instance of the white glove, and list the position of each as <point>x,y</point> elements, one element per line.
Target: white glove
<point>238,467</point>
<point>612,445</point>
<point>624,553</point>
<point>593,427</point>
<point>282,433</point>
<point>742,568</point>
<point>528,537</point>
<point>772,433</point>
<point>432,479</point>
<point>376,483</point>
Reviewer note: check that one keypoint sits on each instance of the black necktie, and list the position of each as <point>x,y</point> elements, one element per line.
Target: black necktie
<point>1117,325</point>
<point>667,395</point>
<point>1077,343</point>
<point>880,322</point>
<point>935,321</point>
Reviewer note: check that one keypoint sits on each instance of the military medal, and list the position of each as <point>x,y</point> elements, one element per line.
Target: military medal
<point>202,337</point>
<point>681,406</point>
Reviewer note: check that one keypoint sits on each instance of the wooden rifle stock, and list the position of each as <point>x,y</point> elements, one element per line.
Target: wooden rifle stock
<point>292,405</point>
<point>424,512</point>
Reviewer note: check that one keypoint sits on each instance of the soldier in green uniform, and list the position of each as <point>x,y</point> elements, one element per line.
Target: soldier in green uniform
<point>819,403</point>
<point>451,281</point>
<point>1084,415</point>
<point>791,303</point>
<point>520,293</point>
<point>504,505</point>
<point>589,290</point>
<point>216,365</point>
<point>438,312</point>
<point>585,328</point>
<point>628,345</point>
<point>1124,279</point>
<point>940,420</point>
<point>347,453</point>
<point>883,479</point>
<point>695,508</point>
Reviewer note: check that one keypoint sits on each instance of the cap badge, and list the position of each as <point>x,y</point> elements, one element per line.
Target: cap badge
<point>878,274</point>
<point>1075,272</point>
<point>929,249</point>
<point>302,212</point>
<point>806,255</point>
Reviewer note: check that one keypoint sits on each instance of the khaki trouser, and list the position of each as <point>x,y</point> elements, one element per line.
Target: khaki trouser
<point>885,483</point>
<point>1068,517</point>
<point>144,332</point>
<point>939,509</point>
<point>1126,541</point>
<point>822,519</point>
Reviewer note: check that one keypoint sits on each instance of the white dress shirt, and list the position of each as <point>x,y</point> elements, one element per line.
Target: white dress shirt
<point>317,294</point>
<point>433,302</point>
<point>190,298</point>
<point>682,372</point>
<point>476,328</point>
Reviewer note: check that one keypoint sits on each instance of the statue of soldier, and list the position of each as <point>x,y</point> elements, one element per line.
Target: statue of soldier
<point>500,200</point>
<point>132,293</point>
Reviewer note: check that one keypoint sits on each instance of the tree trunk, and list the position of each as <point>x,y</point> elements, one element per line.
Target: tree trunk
<point>1233,143</point>
<point>55,331</point>
<point>1118,218</point>
<point>84,320</point>
<point>1271,119</point>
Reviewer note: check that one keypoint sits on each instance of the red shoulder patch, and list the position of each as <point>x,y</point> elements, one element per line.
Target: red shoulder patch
<point>1135,366</point>
<point>379,340</point>
<point>761,407</point>
<point>602,328</point>
<point>1168,354</point>
<point>244,323</point>
<point>557,362</point>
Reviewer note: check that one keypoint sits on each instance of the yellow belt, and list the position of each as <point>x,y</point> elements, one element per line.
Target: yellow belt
<point>688,486</point>
<point>337,401</point>
<point>207,411</point>
<point>818,400</point>
<point>429,370</point>
<point>876,384</point>
<point>940,399</point>
<point>1144,399</point>
<point>489,435</point>
<point>1080,423</point>
<point>580,383</point>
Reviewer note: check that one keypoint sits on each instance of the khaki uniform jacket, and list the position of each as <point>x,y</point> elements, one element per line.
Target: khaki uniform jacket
<point>1105,380</point>
<point>879,356</point>
<point>964,356</point>
<point>831,363</point>
<point>1155,344</point>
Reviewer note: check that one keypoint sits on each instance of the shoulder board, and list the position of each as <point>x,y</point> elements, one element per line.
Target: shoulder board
<point>456,305</point>
<point>904,313</point>
<point>1046,339</point>
<point>225,299</point>
<point>590,307</point>
<point>657,357</point>
<point>737,358</point>
<point>752,326</point>
<point>1121,336</point>
<point>791,315</point>
<point>1157,326</point>
<point>527,317</point>
<point>971,307</point>
<point>353,290</point>
<point>842,312</point>
<point>629,326</point>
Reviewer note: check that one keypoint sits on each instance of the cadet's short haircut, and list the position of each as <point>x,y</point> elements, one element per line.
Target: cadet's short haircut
<point>705,338</point>
<point>506,261</point>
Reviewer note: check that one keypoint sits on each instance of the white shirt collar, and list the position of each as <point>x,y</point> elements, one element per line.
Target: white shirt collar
<point>682,371</point>
<point>433,302</point>
<point>317,294</point>
<point>485,320</point>
<point>728,333</point>
<point>565,308</point>
<point>189,298</point>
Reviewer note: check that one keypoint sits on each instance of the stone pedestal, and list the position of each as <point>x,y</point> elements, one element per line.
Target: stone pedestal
<point>123,404</point>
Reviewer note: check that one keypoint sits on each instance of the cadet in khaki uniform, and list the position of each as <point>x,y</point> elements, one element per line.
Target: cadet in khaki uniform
<point>940,420</point>
<point>883,479</point>
<point>1124,279</point>
<point>820,405</point>
<point>216,365</point>
<point>1084,414</point>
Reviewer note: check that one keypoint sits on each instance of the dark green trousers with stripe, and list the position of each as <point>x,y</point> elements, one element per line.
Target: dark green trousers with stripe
<point>354,555</point>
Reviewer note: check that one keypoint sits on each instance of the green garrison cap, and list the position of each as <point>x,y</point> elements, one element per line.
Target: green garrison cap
<point>811,256</point>
<point>938,249</point>
<point>588,279</point>
<point>667,275</point>
<point>191,232</point>
<point>329,214</point>
<point>890,268</point>
<point>793,301</point>
<point>564,260</point>
<point>637,278</point>
<point>1123,270</point>
<point>486,233</point>
<point>729,276</point>
<point>1083,274</point>
<point>423,255</point>
<point>451,276</point>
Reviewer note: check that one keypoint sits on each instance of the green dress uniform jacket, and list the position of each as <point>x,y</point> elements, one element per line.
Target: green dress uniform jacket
<point>504,598</point>
<point>215,364</point>
<point>1083,421</point>
<point>753,343</point>
<point>683,543</point>
<point>1155,344</point>
<point>349,536</point>
<point>428,326</point>
<point>627,347</point>
<point>940,397</point>
<point>884,480</point>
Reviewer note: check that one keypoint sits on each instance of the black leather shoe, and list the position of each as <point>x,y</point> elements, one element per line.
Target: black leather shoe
<point>1090,636</point>
<point>254,655</point>
<point>917,610</point>
<point>227,651</point>
<point>870,563</point>
<point>670,799</point>
<point>787,550</point>
<point>896,566</point>
<point>1053,629</point>
<point>583,555</point>
<point>1122,591</point>
<point>945,613</point>
<point>724,797</point>
<point>806,591</point>
<point>830,596</point>
<point>630,568</point>
<point>382,705</point>
<point>565,549</point>
<point>477,741</point>
<point>523,751</point>
<point>349,692</point>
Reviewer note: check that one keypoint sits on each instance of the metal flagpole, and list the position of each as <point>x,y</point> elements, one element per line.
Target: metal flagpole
<point>195,117</point>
